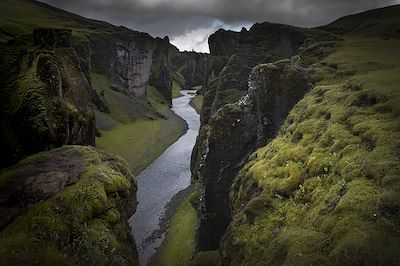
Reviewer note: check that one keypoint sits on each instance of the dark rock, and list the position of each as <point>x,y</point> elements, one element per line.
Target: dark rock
<point>124,58</point>
<point>195,69</point>
<point>233,133</point>
<point>249,108</point>
<point>161,69</point>
<point>45,98</point>
<point>31,183</point>
<point>73,198</point>
<point>223,43</point>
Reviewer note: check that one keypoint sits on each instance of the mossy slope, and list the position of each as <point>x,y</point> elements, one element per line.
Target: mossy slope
<point>85,224</point>
<point>45,95</point>
<point>325,191</point>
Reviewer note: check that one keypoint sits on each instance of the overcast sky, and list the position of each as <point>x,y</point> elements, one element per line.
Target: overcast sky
<point>188,23</point>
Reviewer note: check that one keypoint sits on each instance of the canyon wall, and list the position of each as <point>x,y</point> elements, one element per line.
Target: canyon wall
<point>243,108</point>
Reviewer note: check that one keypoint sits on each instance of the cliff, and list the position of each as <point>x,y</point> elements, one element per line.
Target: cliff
<point>161,71</point>
<point>191,66</point>
<point>64,80</point>
<point>45,95</point>
<point>56,79</point>
<point>297,163</point>
<point>270,94</point>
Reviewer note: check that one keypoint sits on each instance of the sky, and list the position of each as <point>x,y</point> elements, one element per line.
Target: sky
<point>188,23</point>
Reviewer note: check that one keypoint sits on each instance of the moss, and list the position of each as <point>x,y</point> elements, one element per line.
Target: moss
<point>80,230</point>
<point>178,246</point>
<point>329,181</point>
<point>196,102</point>
<point>176,89</point>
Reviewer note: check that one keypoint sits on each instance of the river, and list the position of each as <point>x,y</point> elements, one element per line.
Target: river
<point>161,180</point>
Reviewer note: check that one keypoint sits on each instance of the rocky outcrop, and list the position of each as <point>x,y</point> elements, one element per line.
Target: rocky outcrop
<point>53,100</point>
<point>233,133</point>
<point>161,71</point>
<point>68,206</point>
<point>125,57</point>
<point>260,115</point>
<point>263,43</point>
<point>193,68</point>
<point>45,96</point>
<point>223,42</point>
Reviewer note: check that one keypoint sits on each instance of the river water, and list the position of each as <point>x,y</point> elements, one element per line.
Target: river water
<point>161,180</point>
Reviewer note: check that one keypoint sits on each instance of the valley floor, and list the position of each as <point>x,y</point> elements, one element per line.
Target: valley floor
<point>141,142</point>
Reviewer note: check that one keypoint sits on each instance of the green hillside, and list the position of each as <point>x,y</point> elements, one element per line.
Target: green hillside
<point>330,180</point>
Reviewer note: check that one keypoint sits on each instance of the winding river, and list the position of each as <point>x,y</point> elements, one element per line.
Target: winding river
<point>160,181</point>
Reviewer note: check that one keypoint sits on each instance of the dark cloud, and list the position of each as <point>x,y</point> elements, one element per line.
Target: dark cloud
<point>176,18</point>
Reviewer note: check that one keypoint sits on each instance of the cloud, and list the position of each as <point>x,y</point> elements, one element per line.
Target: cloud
<point>197,39</point>
<point>188,22</point>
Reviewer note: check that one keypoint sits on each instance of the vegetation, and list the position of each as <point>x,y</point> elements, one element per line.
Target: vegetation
<point>196,102</point>
<point>178,246</point>
<point>177,84</point>
<point>82,225</point>
<point>135,130</point>
<point>176,89</point>
<point>329,180</point>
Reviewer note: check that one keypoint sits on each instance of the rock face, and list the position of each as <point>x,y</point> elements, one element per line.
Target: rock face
<point>233,133</point>
<point>302,174</point>
<point>194,69</point>
<point>267,100</point>
<point>125,57</point>
<point>47,93</point>
<point>45,96</point>
<point>74,202</point>
<point>223,43</point>
<point>263,43</point>
<point>161,70</point>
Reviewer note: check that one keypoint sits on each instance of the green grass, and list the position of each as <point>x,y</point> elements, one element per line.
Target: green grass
<point>179,243</point>
<point>177,84</point>
<point>88,213</point>
<point>330,178</point>
<point>134,129</point>
<point>136,142</point>
<point>196,102</point>
<point>176,89</point>
<point>22,16</point>
<point>125,109</point>
<point>156,99</point>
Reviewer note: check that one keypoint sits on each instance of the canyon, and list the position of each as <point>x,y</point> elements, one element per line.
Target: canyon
<point>296,160</point>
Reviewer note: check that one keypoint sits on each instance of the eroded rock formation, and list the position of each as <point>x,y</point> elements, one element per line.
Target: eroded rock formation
<point>234,132</point>
<point>68,206</point>
<point>45,96</point>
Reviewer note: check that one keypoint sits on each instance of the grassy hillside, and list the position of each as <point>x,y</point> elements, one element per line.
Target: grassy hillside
<point>197,102</point>
<point>136,130</point>
<point>330,180</point>
<point>22,16</point>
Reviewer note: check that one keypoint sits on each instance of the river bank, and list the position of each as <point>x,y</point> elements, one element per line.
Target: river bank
<point>161,180</point>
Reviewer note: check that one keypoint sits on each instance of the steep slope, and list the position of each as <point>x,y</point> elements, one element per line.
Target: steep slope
<point>323,187</point>
<point>254,120</point>
<point>79,57</point>
<point>64,80</point>
<point>45,95</point>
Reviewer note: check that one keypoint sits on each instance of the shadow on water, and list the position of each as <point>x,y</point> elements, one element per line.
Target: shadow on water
<point>162,180</point>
